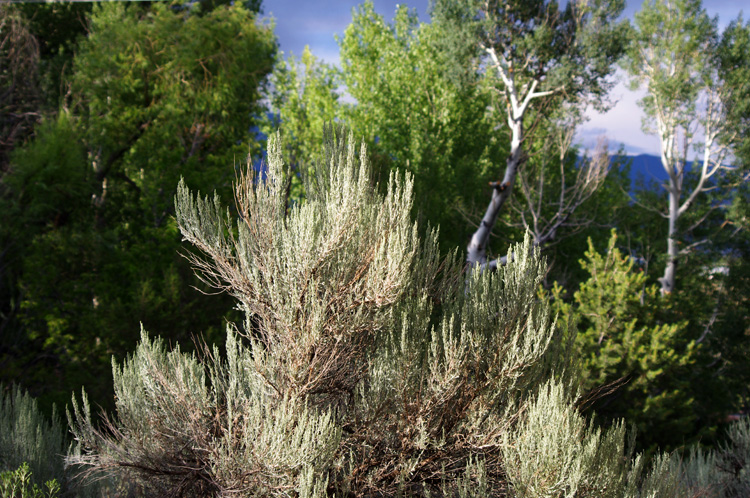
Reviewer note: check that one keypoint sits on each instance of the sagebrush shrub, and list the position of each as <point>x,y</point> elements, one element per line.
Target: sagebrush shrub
<point>366,365</point>
<point>28,437</point>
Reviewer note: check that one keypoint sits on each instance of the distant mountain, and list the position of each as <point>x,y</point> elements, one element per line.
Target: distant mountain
<point>646,169</point>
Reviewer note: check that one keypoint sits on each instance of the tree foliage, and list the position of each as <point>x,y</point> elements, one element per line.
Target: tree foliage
<point>542,61</point>
<point>411,114</point>
<point>161,93</point>
<point>304,100</point>
<point>734,66</point>
<point>677,53</point>
<point>91,246</point>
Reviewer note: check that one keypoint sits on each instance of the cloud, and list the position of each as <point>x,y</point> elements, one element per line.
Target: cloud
<point>316,23</point>
<point>621,124</point>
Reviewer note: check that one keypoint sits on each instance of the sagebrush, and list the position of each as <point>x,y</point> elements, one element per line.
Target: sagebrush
<point>367,365</point>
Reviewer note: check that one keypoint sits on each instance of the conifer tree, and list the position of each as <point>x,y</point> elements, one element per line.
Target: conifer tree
<point>634,363</point>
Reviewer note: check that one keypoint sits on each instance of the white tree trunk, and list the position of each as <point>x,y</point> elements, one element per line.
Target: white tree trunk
<point>667,281</point>
<point>516,110</point>
<point>477,249</point>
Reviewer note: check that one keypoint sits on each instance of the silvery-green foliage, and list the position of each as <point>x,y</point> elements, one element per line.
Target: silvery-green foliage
<point>699,473</point>
<point>287,442</point>
<point>554,451</point>
<point>453,386</point>
<point>724,471</point>
<point>26,435</point>
<point>664,478</point>
<point>733,460</point>
<point>367,365</point>
<point>319,277</point>
<point>472,484</point>
<point>721,472</point>
<point>32,451</point>
<point>177,431</point>
<point>715,473</point>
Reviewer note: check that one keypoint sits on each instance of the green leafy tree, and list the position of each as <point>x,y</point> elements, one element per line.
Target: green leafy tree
<point>697,104</point>
<point>734,64</point>
<point>304,100</point>
<point>58,28</point>
<point>162,95</point>
<point>734,309</point>
<point>411,114</point>
<point>36,51</point>
<point>157,93</point>
<point>349,385</point>
<point>712,298</point>
<point>676,53</point>
<point>47,189</point>
<point>541,60</point>
<point>634,359</point>
<point>416,118</point>
<point>732,330</point>
<point>423,109</point>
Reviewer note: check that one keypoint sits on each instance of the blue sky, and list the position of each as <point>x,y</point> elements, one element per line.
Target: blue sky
<point>316,22</point>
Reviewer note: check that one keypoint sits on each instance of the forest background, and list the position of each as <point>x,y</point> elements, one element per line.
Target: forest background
<point>106,106</point>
